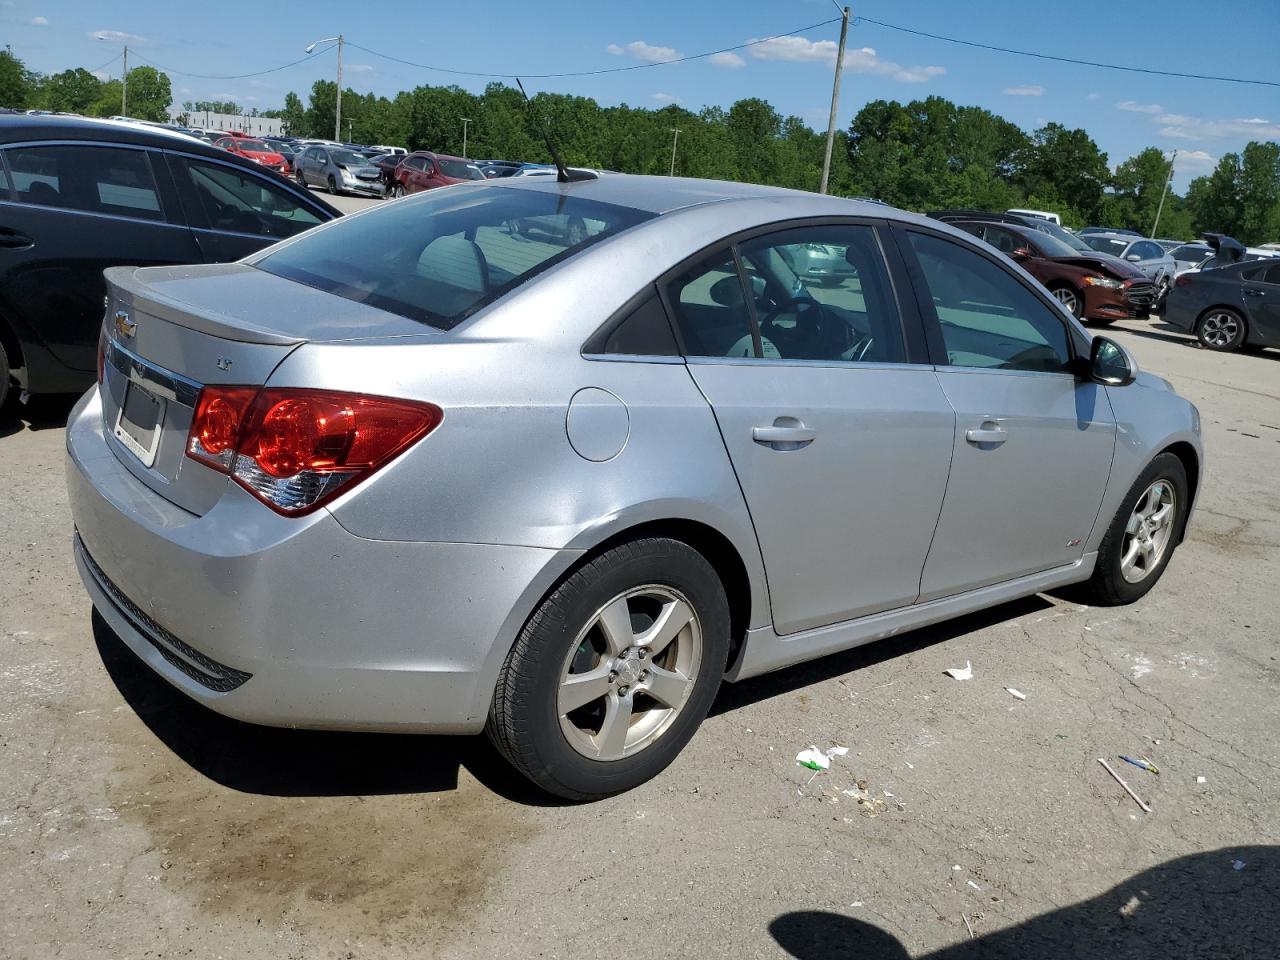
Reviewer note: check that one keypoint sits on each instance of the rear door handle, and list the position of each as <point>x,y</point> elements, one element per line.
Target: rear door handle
<point>786,433</point>
<point>989,432</point>
<point>1254,293</point>
<point>14,240</point>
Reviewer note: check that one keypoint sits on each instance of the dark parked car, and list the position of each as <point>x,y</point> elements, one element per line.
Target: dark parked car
<point>386,164</point>
<point>78,196</point>
<point>422,170</point>
<point>1092,287</point>
<point>1088,230</point>
<point>1229,307</point>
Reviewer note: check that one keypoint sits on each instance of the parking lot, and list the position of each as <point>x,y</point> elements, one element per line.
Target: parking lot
<point>134,823</point>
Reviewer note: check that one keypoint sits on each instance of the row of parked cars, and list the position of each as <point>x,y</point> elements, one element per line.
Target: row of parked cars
<point>1227,294</point>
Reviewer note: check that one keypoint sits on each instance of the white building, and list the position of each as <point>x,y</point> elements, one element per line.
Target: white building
<point>256,126</point>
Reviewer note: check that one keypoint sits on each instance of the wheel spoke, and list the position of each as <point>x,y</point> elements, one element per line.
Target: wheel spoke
<point>579,689</point>
<point>1161,516</point>
<point>612,738</point>
<point>1131,555</point>
<point>674,617</point>
<point>615,624</point>
<point>669,687</point>
<point>1135,520</point>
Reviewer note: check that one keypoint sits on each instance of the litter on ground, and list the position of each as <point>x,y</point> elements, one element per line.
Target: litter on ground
<point>960,673</point>
<point>816,759</point>
<point>1017,693</point>
<point>1127,789</point>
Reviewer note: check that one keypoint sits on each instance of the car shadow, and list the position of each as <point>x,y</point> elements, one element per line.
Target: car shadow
<point>45,412</point>
<point>1202,905</point>
<point>280,762</point>
<point>735,696</point>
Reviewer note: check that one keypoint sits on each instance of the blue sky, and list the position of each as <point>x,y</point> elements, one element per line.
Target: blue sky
<point>1123,112</point>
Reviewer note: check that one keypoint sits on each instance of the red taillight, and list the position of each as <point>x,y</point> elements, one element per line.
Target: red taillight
<point>293,448</point>
<point>1182,281</point>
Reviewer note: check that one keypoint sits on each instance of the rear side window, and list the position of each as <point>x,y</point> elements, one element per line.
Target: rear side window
<point>92,179</point>
<point>643,332</point>
<point>988,319</point>
<point>244,203</point>
<point>443,255</point>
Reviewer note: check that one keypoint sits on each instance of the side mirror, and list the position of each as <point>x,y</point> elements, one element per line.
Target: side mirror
<point>1022,253</point>
<point>1133,258</point>
<point>1111,364</point>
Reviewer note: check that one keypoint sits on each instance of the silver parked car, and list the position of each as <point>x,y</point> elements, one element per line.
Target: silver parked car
<point>1147,255</point>
<point>411,471</point>
<point>338,170</point>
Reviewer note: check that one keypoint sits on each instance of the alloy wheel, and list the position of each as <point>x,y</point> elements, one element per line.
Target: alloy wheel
<point>629,673</point>
<point>1220,330</point>
<point>1148,532</point>
<point>1067,297</point>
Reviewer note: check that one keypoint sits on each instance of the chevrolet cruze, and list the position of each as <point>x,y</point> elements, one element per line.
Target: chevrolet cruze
<point>416,471</point>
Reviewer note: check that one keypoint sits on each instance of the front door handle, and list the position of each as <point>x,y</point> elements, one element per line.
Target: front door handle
<point>14,240</point>
<point>990,432</point>
<point>1249,292</point>
<point>785,433</point>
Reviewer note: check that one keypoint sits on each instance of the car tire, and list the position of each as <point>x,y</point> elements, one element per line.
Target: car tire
<point>1070,298</point>
<point>6,381</point>
<point>302,181</point>
<point>333,185</point>
<point>1115,582</point>
<point>1221,329</point>
<point>397,191</point>
<point>579,630</point>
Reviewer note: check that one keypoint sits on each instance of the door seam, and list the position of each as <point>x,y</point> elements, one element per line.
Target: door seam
<point>951,460</point>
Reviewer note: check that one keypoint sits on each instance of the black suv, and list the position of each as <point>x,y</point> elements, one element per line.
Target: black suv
<point>78,196</point>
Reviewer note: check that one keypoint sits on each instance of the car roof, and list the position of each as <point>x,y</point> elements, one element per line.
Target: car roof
<point>655,194</point>
<point>22,127</point>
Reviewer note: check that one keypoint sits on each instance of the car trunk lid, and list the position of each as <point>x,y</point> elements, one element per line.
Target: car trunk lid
<point>169,331</point>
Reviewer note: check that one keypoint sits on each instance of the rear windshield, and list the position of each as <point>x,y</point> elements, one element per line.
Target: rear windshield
<point>1190,251</point>
<point>256,146</point>
<point>1106,244</point>
<point>441,256</point>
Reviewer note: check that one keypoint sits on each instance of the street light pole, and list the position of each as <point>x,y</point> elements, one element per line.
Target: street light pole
<point>1164,192</point>
<point>674,140</point>
<point>835,100</point>
<point>337,117</point>
<point>465,121</point>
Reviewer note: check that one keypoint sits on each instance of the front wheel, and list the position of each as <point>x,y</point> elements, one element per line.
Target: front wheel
<point>302,181</point>
<point>614,672</point>
<point>397,191</point>
<point>333,185</point>
<point>1143,535</point>
<point>5,374</point>
<point>1069,298</point>
<point>1221,329</point>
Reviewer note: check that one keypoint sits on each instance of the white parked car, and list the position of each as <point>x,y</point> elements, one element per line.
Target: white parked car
<point>1042,214</point>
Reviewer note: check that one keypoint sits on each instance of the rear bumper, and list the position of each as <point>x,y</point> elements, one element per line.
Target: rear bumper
<point>295,621</point>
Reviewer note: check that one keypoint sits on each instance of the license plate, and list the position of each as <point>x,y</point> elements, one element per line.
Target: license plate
<point>139,423</point>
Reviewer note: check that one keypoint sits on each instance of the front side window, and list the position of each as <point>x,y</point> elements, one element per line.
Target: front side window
<point>988,319</point>
<point>240,202</point>
<point>460,170</point>
<point>1003,240</point>
<point>443,255</point>
<point>93,179</point>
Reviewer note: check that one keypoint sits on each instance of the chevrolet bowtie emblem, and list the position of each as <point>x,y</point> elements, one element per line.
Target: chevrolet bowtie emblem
<point>125,327</point>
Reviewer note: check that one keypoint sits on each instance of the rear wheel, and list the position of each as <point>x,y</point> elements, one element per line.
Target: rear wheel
<point>1143,535</point>
<point>614,672</point>
<point>1069,298</point>
<point>5,374</point>
<point>333,185</point>
<point>1221,329</point>
<point>397,191</point>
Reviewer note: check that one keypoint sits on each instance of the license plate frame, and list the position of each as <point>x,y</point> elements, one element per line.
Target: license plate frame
<point>144,440</point>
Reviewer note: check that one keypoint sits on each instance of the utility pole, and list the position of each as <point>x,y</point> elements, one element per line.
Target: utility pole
<point>674,140</point>
<point>1164,192</point>
<point>835,100</point>
<point>465,121</point>
<point>337,117</point>
<point>349,121</point>
<point>124,85</point>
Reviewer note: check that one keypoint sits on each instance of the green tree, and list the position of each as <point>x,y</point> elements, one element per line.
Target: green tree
<point>149,94</point>
<point>1137,187</point>
<point>1214,200</point>
<point>1259,192</point>
<point>1064,164</point>
<point>294,116</point>
<point>15,83</point>
<point>73,91</point>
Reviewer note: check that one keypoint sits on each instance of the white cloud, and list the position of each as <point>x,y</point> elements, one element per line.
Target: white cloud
<point>666,98</point>
<point>359,67</point>
<point>1094,96</point>
<point>644,51</point>
<point>1027,91</point>
<point>1180,126</point>
<point>1196,158</point>
<point>39,21</point>
<point>862,60</point>
<point>1134,107</point>
<point>101,75</point>
<point>119,36</point>
<point>727,59</point>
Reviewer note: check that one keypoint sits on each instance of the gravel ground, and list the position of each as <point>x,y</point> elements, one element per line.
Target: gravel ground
<point>134,823</point>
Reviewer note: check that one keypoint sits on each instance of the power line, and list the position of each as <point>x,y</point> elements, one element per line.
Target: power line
<point>1049,56</point>
<point>237,76</point>
<point>107,64</point>
<point>590,73</point>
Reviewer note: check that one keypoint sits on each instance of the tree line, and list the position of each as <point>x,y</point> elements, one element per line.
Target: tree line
<point>922,155</point>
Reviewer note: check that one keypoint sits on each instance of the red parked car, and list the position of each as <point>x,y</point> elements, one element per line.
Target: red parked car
<point>1101,288</point>
<point>422,170</point>
<point>256,151</point>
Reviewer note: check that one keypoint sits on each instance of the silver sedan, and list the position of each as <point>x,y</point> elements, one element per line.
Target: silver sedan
<point>413,471</point>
